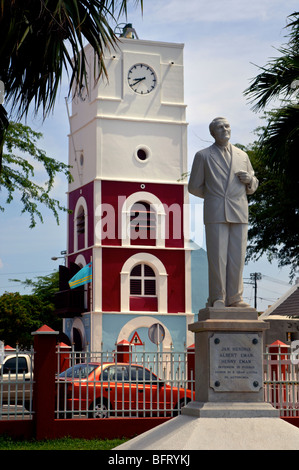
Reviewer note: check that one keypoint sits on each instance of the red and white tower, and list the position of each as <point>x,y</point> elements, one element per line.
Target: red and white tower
<point>129,206</point>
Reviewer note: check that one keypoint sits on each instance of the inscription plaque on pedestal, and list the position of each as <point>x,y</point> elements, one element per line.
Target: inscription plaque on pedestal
<point>236,362</point>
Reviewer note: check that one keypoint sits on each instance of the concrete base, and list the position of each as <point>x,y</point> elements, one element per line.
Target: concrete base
<point>230,410</point>
<point>234,417</point>
<point>219,433</point>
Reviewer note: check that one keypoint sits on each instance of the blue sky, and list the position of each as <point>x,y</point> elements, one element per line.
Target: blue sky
<point>225,41</point>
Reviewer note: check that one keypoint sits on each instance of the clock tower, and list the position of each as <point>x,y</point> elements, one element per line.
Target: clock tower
<point>128,204</point>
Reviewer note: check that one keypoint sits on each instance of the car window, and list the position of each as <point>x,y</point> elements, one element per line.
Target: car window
<point>15,364</point>
<point>115,373</point>
<point>140,374</point>
<point>107,374</point>
<point>79,371</point>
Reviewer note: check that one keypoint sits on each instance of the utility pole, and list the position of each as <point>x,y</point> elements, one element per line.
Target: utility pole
<point>255,277</point>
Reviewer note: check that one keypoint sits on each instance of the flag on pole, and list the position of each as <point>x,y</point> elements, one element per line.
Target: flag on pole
<point>81,277</point>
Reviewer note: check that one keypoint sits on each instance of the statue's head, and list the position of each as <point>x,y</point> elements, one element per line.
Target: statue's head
<point>220,130</point>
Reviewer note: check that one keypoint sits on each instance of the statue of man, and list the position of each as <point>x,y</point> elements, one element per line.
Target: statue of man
<point>223,176</point>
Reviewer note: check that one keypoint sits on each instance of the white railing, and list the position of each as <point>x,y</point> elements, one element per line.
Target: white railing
<point>281,380</point>
<point>147,384</point>
<point>16,384</point>
<point>160,386</point>
<point>161,363</point>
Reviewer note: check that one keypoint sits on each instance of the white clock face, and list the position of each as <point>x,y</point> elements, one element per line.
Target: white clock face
<point>142,79</point>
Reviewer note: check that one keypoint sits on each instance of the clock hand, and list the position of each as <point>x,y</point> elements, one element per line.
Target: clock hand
<point>137,80</point>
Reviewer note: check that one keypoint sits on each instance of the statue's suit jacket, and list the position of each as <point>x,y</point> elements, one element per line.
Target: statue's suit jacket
<point>224,194</point>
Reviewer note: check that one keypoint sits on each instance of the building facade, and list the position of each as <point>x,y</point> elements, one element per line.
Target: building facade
<point>129,211</point>
<point>283,318</point>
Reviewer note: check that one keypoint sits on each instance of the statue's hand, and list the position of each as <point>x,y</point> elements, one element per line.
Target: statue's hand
<point>244,177</point>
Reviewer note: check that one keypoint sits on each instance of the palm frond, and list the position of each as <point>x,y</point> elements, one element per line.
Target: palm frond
<point>276,78</point>
<point>39,39</point>
<point>280,140</point>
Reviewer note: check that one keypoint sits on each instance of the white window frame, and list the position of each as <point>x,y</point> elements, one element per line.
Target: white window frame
<point>148,218</point>
<point>154,201</point>
<point>161,280</point>
<point>143,278</point>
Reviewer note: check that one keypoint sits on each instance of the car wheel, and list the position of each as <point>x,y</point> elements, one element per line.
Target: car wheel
<point>99,409</point>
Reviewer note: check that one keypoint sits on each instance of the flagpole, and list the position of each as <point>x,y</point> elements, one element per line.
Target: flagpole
<point>91,286</point>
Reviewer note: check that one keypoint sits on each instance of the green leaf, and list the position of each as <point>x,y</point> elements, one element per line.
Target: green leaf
<point>17,176</point>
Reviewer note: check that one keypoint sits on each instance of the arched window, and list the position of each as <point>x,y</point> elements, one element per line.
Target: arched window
<point>80,225</point>
<point>143,284</point>
<point>143,288</point>
<point>143,220</point>
<point>80,228</point>
<point>142,281</point>
<point>142,224</point>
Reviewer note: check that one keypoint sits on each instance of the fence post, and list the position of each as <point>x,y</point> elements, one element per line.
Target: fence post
<point>278,353</point>
<point>123,351</point>
<point>45,367</point>
<point>64,356</point>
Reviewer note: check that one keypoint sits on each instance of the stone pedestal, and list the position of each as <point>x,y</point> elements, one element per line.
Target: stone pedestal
<point>229,411</point>
<point>228,363</point>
